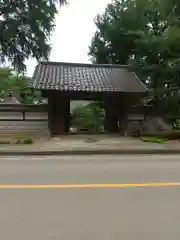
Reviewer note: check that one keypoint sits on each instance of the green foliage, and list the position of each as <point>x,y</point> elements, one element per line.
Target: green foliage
<point>169,135</point>
<point>25,141</point>
<point>90,117</point>
<point>25,94</point>
<point>19,141</point>
<point>6,82</point>
<point>25,28</point>
<point>17,85</point>
<point>153,139</point>
<point>146,35</point>
<point>28,141</point>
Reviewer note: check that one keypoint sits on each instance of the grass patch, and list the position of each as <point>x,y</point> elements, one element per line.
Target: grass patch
<point>28,141</point>
<point>153,139</point>
<point>18,139</point>
<point>24,141</point>
<point>169,135</point>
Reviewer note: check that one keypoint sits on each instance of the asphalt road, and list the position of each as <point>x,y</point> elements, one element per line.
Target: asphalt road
<point>90,212</point>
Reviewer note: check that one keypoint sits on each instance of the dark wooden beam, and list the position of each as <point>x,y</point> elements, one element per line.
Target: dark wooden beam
<point>58,114</point>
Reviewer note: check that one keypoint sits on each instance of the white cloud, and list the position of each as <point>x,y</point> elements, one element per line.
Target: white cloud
<point>73,33</point>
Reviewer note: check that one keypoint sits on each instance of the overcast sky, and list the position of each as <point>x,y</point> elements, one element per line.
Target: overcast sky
<point>73,33</point>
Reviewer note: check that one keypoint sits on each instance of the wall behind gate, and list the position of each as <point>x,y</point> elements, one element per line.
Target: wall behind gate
<point>27,120</point>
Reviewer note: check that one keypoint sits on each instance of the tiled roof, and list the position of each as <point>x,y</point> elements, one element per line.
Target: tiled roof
<point>85,77</point>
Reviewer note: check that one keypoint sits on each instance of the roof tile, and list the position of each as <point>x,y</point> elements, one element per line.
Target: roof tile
<point>85,77</point>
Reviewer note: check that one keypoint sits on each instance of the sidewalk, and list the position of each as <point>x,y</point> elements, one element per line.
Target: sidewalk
<point>81,145</point>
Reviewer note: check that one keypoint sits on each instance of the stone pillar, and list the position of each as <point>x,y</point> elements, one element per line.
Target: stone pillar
<point>59,113</point>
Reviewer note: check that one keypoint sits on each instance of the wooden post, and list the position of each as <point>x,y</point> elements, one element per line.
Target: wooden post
<point>59,113</point>
<point>123,120</point>
<point>111,116</point>
<point>123,117</point>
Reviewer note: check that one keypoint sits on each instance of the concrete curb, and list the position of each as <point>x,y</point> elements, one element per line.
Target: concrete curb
<point>91,152</point>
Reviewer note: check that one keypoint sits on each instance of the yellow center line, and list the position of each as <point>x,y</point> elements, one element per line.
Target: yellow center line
<point>102,185</point>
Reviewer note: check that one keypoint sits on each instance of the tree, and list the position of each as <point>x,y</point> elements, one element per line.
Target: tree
<point>114,40</point>
<point>157,53</point>
<point>145,35</point>
<point>7,81</point>
<point>25,27</point>
<point>15,84</point>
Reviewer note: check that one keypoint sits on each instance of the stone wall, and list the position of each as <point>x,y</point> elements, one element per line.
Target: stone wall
<point>137,123</point>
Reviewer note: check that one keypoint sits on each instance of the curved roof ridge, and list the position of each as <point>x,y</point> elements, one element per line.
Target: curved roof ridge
<point>85,64</point>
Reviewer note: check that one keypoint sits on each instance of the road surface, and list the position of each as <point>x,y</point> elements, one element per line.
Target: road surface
<point>90,198</point>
